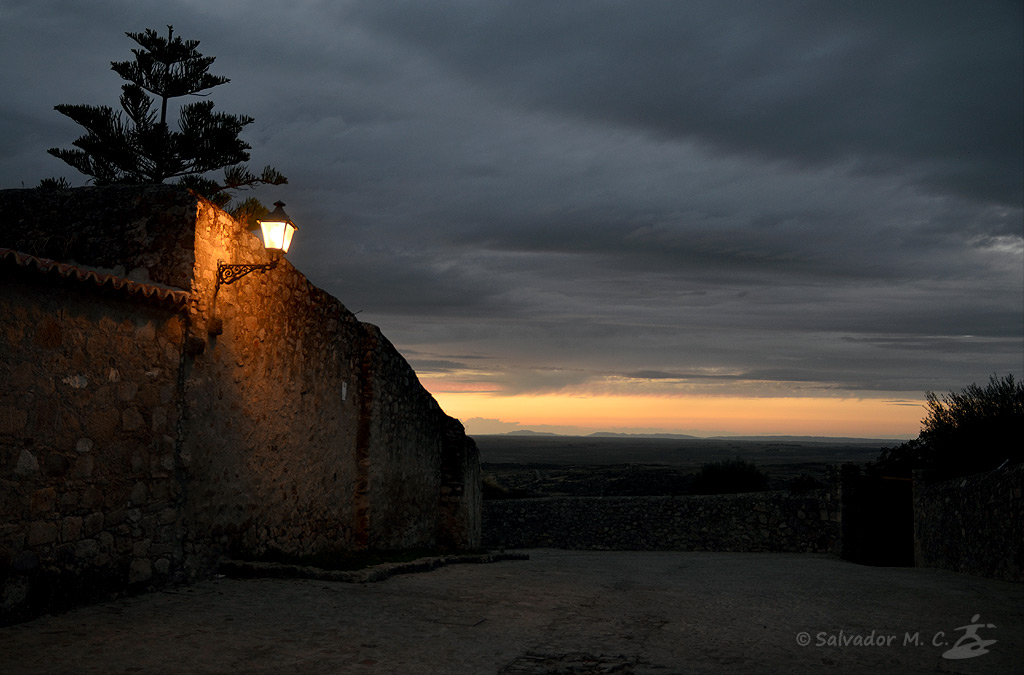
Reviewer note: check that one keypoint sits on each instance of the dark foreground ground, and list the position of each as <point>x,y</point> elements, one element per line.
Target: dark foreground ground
<point>559,612</point>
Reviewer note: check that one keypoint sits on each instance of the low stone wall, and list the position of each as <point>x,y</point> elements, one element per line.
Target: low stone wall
<point>973,525</point>
<point>760,521</point>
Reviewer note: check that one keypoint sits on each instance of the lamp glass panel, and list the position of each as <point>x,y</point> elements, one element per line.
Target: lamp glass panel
<point>289,230</point>
<point>274,234</point>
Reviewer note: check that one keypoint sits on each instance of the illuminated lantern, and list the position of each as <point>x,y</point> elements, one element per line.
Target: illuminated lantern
<point>278,229</point>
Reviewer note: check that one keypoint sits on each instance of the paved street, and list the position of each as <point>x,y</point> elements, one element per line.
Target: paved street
<point>560,612</point>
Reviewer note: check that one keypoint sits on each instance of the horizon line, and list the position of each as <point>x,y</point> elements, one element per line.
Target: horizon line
<point>528,433</point>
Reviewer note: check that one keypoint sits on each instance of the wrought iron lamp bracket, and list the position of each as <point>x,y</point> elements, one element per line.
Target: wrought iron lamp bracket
<point>227,274</point>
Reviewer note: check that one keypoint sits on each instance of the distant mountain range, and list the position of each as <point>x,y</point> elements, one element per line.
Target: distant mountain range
<point>792,439</point>
<point>613,434</point>
<point>596,434</point>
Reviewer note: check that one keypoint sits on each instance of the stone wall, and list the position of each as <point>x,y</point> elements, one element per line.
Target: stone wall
<point>460,518</point>
<point>145,233</point>
<point>325,439</point>
<point>253,419</point>
<point>272,391</point>
<point>90,486</point>
<point>760,521</point>
<point>411,462</point>
<point>973,525</point>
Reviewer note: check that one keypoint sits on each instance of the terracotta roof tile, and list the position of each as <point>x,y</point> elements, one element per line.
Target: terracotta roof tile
<point>10,258</point>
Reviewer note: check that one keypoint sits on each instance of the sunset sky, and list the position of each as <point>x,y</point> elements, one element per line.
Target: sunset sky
<point>697,217</point>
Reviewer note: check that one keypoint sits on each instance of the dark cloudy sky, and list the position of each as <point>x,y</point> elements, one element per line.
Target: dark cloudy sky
<point>660,199</point>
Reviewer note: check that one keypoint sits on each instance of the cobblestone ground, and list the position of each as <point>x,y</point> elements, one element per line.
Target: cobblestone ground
<point>562,612</point>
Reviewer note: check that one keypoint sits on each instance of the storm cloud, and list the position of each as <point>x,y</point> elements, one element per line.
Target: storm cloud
<point>527,196</point>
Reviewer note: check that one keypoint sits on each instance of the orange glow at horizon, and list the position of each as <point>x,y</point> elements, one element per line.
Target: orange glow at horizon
<point>733,415</point>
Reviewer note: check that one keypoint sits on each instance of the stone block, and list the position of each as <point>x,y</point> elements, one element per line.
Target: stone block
<point>106,541</point>
<point>159,419</point>
<point>165,550</point>
<point>48,334</point>
<point>87,548</point>
<point>140,570</point>
<point>92,497</point>
<point>139,493</point>
<point>27,464</point>
<point>22,378</point>
<point>56,464</point>
<point>84,467</point>
<point>167,516</point>
<point>41,532</point>
<point>102,423</point>
<point>92,524</point>
<point>12,538</point>
<point>167,444</point>
<point>43,501</point>
<point>126,391</point>
<point>145,332</point>
<point>132,420</point>
<point>71,529</point>
<point>163,490</point>
<point>12,420</point>
<point>148,395</point>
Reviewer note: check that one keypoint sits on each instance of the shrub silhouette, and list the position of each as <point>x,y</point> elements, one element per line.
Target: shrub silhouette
<point>804,483</point>
<point>973,430</point>
<point>729,476</point>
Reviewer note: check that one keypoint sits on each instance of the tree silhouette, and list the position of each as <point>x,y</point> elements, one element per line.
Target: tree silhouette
<point>140,147</point>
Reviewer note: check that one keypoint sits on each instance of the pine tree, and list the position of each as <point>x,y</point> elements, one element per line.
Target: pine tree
<point>141,148</point>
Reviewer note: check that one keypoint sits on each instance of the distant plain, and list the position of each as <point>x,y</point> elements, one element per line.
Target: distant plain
<point>550,465</point>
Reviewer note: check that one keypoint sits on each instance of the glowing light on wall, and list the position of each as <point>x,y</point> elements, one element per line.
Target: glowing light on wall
<point>278,230</point>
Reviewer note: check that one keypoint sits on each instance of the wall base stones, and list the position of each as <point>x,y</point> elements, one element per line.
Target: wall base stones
<point>761,521</point>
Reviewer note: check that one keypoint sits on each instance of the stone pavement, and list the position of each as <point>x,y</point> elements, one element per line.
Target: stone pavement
<point>570,612</point>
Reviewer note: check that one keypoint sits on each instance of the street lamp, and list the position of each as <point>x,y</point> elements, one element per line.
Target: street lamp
<point>278,230</point>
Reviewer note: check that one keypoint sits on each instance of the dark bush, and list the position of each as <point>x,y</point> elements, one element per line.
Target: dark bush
<point>973,430</point>
<point>729,476</point>
<point>804,483</point>
<point>492,489</point>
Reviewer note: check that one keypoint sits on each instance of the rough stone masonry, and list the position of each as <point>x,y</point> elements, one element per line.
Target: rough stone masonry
<point>151,421</point>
